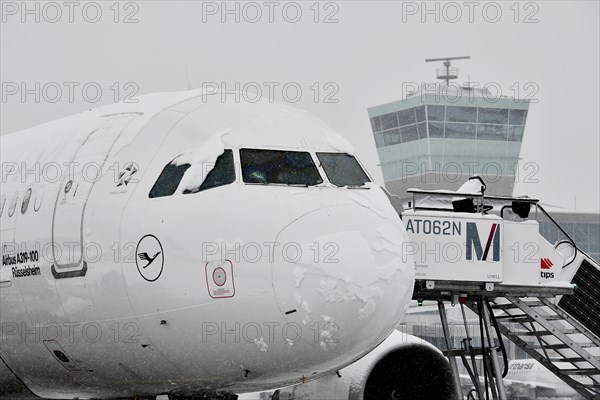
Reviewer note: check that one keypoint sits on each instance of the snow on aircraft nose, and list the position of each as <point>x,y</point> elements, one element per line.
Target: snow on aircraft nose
<point>348,286</point>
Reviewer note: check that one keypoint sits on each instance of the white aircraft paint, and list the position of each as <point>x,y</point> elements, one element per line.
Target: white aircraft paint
<point>85,316</point>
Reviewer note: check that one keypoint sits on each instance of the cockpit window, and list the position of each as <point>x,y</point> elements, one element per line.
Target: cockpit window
<point>223,173</point>
<point>279,167</point>
<point>343,169</point>
<point>169,179</point>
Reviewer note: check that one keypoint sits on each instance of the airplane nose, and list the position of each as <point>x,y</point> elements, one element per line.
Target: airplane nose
<point>348,285</point>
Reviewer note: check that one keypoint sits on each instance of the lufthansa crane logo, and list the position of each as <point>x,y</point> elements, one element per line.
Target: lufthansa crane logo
<point>149,258</point>
<point>146,257</point>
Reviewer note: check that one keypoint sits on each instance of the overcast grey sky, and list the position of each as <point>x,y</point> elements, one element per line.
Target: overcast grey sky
<point>357,53</point>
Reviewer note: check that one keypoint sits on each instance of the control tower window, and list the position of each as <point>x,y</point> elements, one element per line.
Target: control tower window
<point>169,179</point>
<point>420,113</point>
<point>406,117</point>
<point>517,117</point>
<point>279,167</point>
<point>460,131</point>
<point>379,140</point>
<point>389,121</point>
<point>391,137</point>
<point>491,132</point>
<point>375,124</point>
<point>515,133</point>
<point>461,114</point>
<point>493,115</point>
<point>409,133</point>
<point>436,113</point>
<point>343,169</point>
<point>436,129</point>
<point>223,173</point>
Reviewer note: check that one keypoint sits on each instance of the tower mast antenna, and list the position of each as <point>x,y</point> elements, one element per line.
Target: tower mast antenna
<point>446,73</point>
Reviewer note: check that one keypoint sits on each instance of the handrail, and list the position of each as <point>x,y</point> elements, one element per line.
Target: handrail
<point>473,195</point>
<point>569,238</point>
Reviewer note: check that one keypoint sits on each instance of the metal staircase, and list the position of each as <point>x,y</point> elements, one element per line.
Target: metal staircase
<point>554,338</point>
<point>534,319</point>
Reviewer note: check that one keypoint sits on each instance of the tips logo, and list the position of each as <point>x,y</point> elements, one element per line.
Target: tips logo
<point>545,263</point>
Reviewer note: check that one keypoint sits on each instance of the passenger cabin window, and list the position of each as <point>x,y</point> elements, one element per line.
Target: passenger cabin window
<point>343,169</point>
<point>223,173</point>
<point>13,204</point>
<point>39,197</point>
<point>279,167</point>
<point>25,203</point>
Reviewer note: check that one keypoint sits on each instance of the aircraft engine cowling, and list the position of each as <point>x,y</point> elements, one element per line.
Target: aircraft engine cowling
<point>402,367</point>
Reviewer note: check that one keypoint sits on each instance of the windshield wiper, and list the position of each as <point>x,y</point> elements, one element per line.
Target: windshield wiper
<point>279,184</point>
<point>363,187</point>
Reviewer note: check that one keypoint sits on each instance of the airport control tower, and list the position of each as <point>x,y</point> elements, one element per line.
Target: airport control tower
<point>442,133</point>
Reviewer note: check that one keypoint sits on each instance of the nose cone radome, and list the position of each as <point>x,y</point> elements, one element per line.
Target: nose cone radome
<point>348,287</point>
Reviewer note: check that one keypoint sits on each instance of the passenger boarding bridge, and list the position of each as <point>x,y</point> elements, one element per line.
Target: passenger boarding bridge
<point>486,253</point>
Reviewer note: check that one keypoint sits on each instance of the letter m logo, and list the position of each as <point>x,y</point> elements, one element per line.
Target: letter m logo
<point>474,242</point>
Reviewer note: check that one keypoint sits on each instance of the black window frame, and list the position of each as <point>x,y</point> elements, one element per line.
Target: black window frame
<point>180,170</point>
<point>206,181</point>
<point>178,174</point>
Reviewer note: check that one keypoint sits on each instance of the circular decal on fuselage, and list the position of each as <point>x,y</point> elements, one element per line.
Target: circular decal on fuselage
<point>219,276</point>
<point>149,258</point>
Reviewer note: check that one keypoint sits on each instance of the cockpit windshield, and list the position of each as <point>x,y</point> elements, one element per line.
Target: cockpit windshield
<point>279,167</point>
<point>169,179</point>
<point>343,169</point>
<point>260,166</point>
<point>223,173</point>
